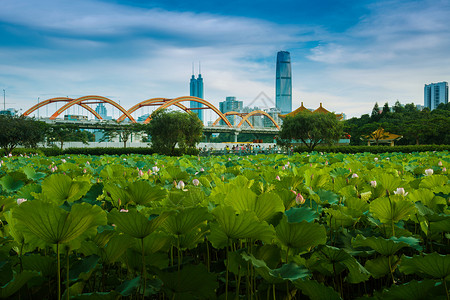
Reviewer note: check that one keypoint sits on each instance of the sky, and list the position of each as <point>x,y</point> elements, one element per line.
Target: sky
<point>345,54</point>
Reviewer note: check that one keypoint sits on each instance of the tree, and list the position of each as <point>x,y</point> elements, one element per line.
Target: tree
<point>312,129</point>
<point>167,128</point>
<point>19,130</point>
<point>66,133</point>
<point>124,132</point>
<point>375,116</point>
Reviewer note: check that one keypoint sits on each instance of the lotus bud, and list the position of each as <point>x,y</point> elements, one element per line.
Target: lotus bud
<point>387,158</point>
<point>149,172</point>
<point>278,178</point>
<point>375,159</point>
<point>202,170</point>
<point>373,183</point>
<point>141,173</point>
<point>321,153</point>
<point>444,169</point>
<point>56,168</point>
<point>88,163</point>
<point>10,155</point>
<point>175,183</point>
<point>156,163</point>
<point>84,170</point>
<point>123,210</point>
<point>155,169</point>
<point>310,165</point>
<point>440,163</point>
<point>195,182</point>
<point>63,160</point>
<point>53,169</point>
<point>295,193</point>
<point>119,202</point>
<point>21,200</point>
<point>354,175</point>
<point>429,172</point>
<point>196,173</point>
<point>299,199</point>
<point>229,159</point>
<point>326,163</point>
<point>223,178</point>
<point>283,168</point>
<point>400,191</point>
<point>180,185</point>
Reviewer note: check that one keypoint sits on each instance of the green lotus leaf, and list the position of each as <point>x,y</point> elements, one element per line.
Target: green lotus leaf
<point>46,265</point>
<point>113,172</point>
<point>434,181</point>
<point>28,191</point>
<point>356,206</point>
<point>299,214</point>
<point>326,256</point>
<point>316,291</point>
<point>388,181</point>
<point>117,192</point>
<point>261,268</point>
<point>102,238</point>
<point>232,226</point>
<point>338,218</point>
<point>157,241</point>
<point>423,195</point>
<point>10,184</point>
<point>16,283</point>
<point>128,287</point>
<point>327,196</point>
<point>32,174</point>
<point>134,223</point>
<point>186,220</point>
<point>379,266</point>
<point>291,272</point>
<point>82,269</point>
<point>58,188</point>
<point>116,247</point>
<point>141,192</point>
<point>414,290</point>
<point>433,265</point>
<point>301,235</point>
<point>6,204</point>
<point>395,209</point>
<point>113,295</point>
<point>55,225</point>
<point>384,246</point>
<point>192,281</point>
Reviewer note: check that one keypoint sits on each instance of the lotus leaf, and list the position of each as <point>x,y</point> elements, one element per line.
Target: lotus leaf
<point>391,209</point>
<point>16,283</point>
<point>301,235</point>
<point>433,265</point>
<point>316,291</point>
<point>384,246</point>
<point>134,223</point>
<point>58,188</point>
<point>414,290</point>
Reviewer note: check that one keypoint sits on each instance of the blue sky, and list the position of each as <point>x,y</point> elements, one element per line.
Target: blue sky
<point>346,54</point>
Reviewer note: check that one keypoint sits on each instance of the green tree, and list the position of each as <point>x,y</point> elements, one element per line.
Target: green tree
<point>312,129</point>
<point>167,128</point>
<point>62,133</point>
<point>124,132</point>
<point>19,130</point>
<point>375,115</point>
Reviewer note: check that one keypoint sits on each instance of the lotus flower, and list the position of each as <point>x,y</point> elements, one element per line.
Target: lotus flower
<point>444,169</point>
<point>429,172</point>
<point>202,170</point>
<point>440,164</point>
<point>123,210</point>
<point>373,183</point>
<point>63,160</point>
<point>10,155</point>
<point>88,163</point>
<point>375,159</point>
<point>155,169</point>
<point>299,199</point>
<point>278,178</point>
<point>400,191</point>
<point>283,168</point>
<point>354,175</point>
<point>141,173</point>
<point>180,185</point>
<point>195,182</point>
<point>21,200</point>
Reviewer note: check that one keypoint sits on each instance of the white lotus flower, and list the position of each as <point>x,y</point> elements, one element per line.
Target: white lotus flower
<point>429,172</point>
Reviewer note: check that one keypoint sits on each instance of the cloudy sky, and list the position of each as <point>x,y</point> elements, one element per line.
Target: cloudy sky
<point>346,54</point>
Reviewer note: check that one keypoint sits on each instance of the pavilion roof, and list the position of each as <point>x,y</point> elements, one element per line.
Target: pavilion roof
<point>320,109</point>
<point>381,135</point>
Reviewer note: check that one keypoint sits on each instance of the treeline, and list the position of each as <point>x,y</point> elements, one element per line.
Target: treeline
<point>418,127</point>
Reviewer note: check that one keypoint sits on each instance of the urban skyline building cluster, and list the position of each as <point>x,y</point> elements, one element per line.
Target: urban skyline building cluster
<point>435,94</point>
<point>196,90</point>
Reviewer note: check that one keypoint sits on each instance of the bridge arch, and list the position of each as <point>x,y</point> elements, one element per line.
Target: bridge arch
<point>233,113</point>
<point>176,101</point>
<point>59,99</point>
<point>151,102</point>
<point>88,98</point>
<point>257,112</point>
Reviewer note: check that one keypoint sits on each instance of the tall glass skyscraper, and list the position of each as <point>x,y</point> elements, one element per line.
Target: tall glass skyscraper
<point>435,94</point>
<point>283,99</point>
<point>196,90</point>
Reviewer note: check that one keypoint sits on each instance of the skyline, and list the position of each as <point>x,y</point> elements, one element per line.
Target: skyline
<point>347,55</point>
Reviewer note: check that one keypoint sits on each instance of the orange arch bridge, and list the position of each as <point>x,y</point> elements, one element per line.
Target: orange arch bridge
<point>60,99</point>
<point>246,116</point>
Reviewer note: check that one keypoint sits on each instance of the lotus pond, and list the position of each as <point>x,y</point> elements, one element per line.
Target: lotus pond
<point>317,226</point>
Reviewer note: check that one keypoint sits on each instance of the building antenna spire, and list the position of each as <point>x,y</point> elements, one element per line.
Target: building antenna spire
<point>199,68</point>
<point>192,68</point>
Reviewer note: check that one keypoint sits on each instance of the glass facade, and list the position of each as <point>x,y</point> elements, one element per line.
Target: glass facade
<point>230,104</point>
<point>283,99</point>
<point>435,94</point>
<point>196,90</point>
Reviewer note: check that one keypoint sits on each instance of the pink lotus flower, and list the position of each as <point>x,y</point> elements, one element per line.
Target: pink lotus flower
<point>299,199</point>
<point>10,155</point>
<point>401,192</point>
<point>278,178</point>
<point>195,182</point>
<point>444,169</point>
<point>440,164</point>
<point>429,172</point>
<point>354,175</point>
<point>21,200</point>
<point>63,160</point>
<point>202,170</point>
<point>123,210</point>
<point>88,163</point>
<point>141,173</point>
<point>180,185</point>
<point>373,183</point>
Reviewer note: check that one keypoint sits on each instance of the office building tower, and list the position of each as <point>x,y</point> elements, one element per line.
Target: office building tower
<point>101,110</point>
<point>435,94</point>
<point>283,99</point>
<point>230,104</point>
<point>196,90</point>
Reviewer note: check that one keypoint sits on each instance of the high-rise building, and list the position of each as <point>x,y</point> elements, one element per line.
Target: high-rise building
<point>230,104</point>
<point>196,90</point>
<point>435,94</point>
<point>102,111</point>
<point>283,99</point>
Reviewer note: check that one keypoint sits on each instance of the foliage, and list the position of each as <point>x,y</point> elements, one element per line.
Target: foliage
<point>62,133</point>
<point>18,130</point>
<point>167,129</point>
<point>366,226</point>
<point>312,129</point>
<point>123,132</point>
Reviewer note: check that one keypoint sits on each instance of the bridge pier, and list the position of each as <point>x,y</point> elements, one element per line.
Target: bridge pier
<point>208,137</point>
<point>236,136</point>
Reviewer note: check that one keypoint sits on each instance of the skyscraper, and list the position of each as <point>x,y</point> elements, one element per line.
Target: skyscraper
<point>230,104</point>
<point>435,94</point>
<point>283,99</point>
<point>196,90</point>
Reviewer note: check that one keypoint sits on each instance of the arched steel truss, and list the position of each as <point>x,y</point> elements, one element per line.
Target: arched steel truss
<point>163,103</point>
<point>89,100</point>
